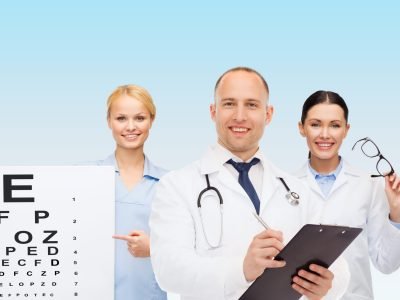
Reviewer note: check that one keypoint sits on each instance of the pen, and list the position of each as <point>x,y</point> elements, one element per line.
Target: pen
<point>262,222</point>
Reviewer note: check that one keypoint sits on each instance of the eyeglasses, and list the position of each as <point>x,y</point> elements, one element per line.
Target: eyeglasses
<point>370,149</point>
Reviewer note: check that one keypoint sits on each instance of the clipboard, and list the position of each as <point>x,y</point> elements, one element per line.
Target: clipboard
<point>319,244</point>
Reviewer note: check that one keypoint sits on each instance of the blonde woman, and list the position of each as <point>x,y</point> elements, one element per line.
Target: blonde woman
<point>130,115</point>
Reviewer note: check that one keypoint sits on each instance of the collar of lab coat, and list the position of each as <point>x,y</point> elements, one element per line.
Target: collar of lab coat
<point>216,156</point>
<point>213,162</point>
<point>344,175</point>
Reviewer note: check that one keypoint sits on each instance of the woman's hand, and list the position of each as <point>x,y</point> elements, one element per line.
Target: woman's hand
<point>392,189</point>
<point>138,243</point>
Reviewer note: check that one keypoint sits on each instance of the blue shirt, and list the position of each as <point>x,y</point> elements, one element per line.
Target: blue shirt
<point>134,277</point>
<point>326,181</point>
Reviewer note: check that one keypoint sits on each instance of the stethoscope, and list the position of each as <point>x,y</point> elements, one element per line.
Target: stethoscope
<point>292,197</point>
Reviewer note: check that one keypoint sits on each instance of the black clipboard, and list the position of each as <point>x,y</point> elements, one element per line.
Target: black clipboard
<point>320,244</point>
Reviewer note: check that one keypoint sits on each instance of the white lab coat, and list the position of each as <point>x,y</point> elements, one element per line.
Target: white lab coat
<point>183,261</point>
<point>358,200</point>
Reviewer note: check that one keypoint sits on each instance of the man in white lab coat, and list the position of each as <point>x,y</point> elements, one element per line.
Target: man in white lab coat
<point>206,242</point>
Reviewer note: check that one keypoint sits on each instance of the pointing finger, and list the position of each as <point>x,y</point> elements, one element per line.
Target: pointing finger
<point>122,237</point>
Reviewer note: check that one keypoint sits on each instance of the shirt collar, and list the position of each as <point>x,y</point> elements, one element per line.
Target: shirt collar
<point>111,161</point>
<point>333,174</point>
<point>149,171</point>
<point>223,155</point>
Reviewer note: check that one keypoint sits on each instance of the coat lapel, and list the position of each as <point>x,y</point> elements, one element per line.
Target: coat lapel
<point>269,186</point>
<point>346,173</point>
<point>305,174</point>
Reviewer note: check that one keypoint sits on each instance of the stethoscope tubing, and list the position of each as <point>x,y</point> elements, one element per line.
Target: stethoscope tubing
<point>221,209</point>
<point>209,188</point>
<point>292,197</point>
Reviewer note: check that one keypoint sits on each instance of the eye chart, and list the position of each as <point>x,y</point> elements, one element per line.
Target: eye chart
<point>56,227</point>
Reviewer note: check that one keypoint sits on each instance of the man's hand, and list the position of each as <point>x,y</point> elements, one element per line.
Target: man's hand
<point>261,253</point>
<point>313,285</point>
<point>138,243</point>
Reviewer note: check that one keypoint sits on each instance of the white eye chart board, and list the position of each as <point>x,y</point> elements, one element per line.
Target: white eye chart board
<point>56,227</point>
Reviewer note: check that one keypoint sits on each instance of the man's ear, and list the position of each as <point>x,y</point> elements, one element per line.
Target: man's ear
<point>301,129</point>
<point>269,114</point>
<point>213,111</point>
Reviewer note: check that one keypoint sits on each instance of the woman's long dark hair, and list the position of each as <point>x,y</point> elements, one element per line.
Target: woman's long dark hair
<point>324,97</point>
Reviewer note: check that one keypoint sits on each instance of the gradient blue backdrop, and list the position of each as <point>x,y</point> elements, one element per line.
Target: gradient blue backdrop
<point>60,61</point>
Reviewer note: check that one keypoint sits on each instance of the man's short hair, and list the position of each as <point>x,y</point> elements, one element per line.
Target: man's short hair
<point>245,69</point>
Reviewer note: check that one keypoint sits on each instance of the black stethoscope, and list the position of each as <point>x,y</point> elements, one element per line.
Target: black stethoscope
<point>292,197</point>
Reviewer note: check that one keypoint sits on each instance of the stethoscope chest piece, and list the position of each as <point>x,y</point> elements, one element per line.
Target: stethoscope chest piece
<point>292,197</point>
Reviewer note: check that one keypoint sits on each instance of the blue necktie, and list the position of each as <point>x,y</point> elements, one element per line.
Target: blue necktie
<point>244,180</point>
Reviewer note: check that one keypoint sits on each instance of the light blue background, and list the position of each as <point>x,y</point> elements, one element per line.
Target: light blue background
<point>60,61</point>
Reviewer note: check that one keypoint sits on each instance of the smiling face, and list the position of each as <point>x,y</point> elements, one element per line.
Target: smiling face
<point>240,112</point>
<point>129,121</point>
<point>325,128</point>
